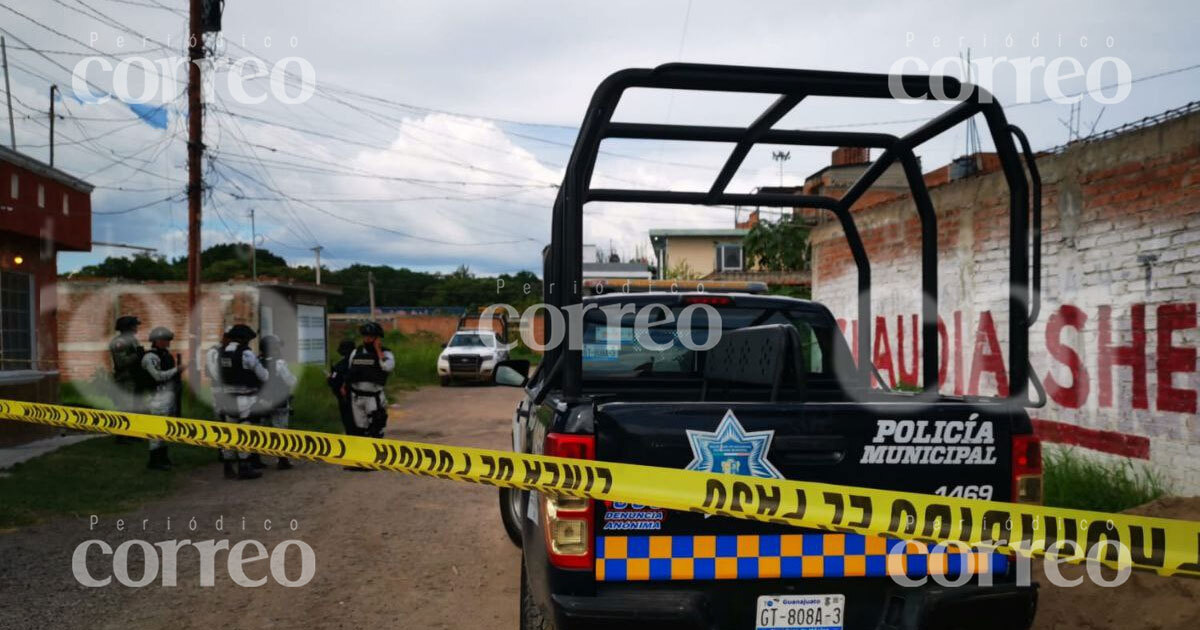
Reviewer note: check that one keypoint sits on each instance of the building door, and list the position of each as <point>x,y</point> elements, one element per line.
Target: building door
<point>310,333</point>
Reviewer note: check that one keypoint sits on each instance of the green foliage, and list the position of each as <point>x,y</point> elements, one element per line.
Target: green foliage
<point>314,407</point>
<point>398,287</point>
<point>681,271</point>
<point>102,475</point>
<point>778,245</point>
<point>140,266</point>
<point>1074,480</point>
<point>792,291</point>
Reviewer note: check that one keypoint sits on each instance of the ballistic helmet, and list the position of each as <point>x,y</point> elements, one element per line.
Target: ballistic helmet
<point>127,323</point>
<point>270,345</point>
<point>346,347</point>
<point>372,329</point>
<point>161,333</point>
<point>241,332</point>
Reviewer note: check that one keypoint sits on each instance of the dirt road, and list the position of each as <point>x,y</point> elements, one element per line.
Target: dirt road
<point>390,550</point>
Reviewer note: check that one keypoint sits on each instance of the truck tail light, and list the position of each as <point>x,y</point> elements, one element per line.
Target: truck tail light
<point>567,521</point>
<point>1026,469</point>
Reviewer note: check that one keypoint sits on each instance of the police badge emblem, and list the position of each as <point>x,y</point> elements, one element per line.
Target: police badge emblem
<point>732,450</point>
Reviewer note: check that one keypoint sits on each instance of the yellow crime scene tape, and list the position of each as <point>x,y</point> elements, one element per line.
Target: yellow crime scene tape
<point>1164,546</point>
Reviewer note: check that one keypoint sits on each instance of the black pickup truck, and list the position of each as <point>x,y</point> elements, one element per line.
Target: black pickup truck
<point>763,401</point>
<point>775,394</point>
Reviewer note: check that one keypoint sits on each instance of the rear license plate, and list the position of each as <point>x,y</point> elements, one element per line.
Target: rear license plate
<point>795,612</point>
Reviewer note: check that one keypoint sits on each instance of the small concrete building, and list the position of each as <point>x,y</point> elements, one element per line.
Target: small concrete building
<point>295,312</point>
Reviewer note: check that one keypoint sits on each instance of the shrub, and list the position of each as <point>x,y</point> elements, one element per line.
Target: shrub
<point>1075,480</point>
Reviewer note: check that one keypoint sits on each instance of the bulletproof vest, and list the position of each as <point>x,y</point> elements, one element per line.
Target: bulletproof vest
<point>126,359</point>
<point>233,371</point>
<point>365,367</point>
<point>166,361</point>
<point>274,392</point>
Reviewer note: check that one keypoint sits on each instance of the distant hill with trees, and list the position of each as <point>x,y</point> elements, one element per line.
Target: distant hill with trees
<point>393,286</point>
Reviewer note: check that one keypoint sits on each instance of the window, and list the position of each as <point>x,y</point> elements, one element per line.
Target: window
<point>471,340</point>
<point>41,196</point>
<point>66,204</point>
<point>16,321</point>
<point>618,352</point>
<point>729,257</point>
<point>14,186</point>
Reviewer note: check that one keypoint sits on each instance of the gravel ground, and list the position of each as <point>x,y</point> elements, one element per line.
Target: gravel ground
<point>390,550</point>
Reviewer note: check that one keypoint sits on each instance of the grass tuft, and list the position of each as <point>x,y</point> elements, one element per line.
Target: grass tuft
<point>1074,480</point>
<point>102,475</point>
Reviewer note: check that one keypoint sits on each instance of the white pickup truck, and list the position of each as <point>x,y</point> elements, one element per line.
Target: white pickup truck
<point>470,355</point>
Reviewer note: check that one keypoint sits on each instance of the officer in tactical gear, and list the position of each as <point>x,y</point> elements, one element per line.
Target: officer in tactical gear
<point>126,352</point>
<point>337,383</point>
<point>275,397</point>
<point>241,377</point>
<point>370,366</point>
<point>163,398</point>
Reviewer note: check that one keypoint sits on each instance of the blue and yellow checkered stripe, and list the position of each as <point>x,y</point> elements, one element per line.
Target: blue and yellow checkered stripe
<point>748,557</point>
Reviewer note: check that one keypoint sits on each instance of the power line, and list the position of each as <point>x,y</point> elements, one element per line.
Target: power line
<point>137,207</point>
<point>379,147</point>
<point>288,209</point>
<point>375,225</point>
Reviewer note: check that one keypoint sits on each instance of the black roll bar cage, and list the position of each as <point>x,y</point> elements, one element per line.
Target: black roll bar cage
<point>564,261</point>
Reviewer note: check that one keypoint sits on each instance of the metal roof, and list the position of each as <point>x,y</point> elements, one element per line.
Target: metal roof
<point>700,232</point>
<point>45,170</point>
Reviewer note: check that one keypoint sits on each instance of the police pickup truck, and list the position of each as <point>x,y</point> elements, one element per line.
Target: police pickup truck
<point>763,401</point>
<point>767,386</point>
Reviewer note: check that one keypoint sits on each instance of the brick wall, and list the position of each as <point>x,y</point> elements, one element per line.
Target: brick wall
<point>88,308</point>
<point>1116,343</point>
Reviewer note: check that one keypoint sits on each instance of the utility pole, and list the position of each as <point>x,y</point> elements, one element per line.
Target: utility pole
<point>371,292</point>
<point>318,249</point>
<point>7,93</point>
<point>53,89</point>
<point>12,130</point>
<point>781,157</point>
<point>195,148</point>
<point>253,249</point>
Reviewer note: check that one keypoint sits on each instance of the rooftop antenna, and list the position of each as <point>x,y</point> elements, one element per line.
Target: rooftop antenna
<point>781,157</point>
<point>973,146</point>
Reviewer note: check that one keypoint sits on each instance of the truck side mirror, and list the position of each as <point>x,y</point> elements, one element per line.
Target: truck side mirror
<point>513,372</point>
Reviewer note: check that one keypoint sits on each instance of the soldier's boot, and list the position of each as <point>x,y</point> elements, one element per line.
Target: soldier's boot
<point>246,471</point>
<point>256,461</point>
<point>283,464</point>
<point>230,470</point>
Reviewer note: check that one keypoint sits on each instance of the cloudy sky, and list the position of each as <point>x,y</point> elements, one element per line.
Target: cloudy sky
<point>437,131</point>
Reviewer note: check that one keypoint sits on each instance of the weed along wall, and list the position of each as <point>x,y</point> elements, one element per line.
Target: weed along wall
<point>1116,342</point>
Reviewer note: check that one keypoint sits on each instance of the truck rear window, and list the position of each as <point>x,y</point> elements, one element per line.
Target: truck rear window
<point>620,349</point>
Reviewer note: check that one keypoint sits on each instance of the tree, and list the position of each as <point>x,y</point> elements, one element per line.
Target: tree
<point>141,266</point>
<point>778,245</point>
